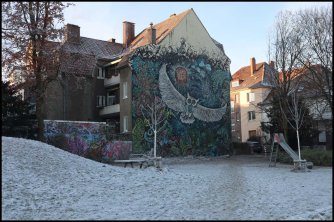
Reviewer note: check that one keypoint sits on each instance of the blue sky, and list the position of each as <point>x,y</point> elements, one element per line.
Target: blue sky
<point>242,27</point>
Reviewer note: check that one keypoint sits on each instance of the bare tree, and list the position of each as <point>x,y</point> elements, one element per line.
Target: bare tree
<point>28,29</point>
<point>295,111</point>
<point>317,60</point>
<point>285,47</point>
<point>154,115</point>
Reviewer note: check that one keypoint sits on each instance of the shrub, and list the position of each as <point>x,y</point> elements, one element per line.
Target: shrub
<point>317,157</point>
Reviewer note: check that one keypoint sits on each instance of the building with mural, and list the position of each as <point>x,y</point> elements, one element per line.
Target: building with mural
<point>174,63</point>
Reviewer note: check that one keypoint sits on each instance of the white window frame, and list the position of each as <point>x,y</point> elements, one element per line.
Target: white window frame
<point>232,106</point>
<point>100,73</point>
<point>250,116</point>
<point>125,124</point>
<point>100,102</point>
<point>125,90</point>
<point>235,83</point>
<point>250,97</point>
<point>322,137</point>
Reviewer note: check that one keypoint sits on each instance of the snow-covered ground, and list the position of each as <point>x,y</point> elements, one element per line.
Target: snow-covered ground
<point>42,182</point>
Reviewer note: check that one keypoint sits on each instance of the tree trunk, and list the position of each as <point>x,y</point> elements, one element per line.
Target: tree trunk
<point>298,144</point>
<point>155,143</point>
<point>40,119</point>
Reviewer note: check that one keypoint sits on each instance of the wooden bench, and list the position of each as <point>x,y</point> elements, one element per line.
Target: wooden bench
<point>141,159</point>
<point>132,161</point>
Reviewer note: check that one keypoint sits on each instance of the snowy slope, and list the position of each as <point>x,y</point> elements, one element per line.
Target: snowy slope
<point>40,181</point>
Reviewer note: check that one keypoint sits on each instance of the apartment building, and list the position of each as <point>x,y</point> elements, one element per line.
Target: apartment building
<point>175,61</point>
<point>250,86</point>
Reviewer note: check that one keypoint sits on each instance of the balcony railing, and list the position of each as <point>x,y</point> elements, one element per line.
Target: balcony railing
<point>112,81</point>
<point>109,110</point>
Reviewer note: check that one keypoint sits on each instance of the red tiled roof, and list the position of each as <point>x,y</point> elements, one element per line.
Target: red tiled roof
<point>162,30</point>
<point>252,81</point>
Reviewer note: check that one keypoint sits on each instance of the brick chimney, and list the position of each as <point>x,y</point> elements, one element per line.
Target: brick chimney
<point>128,33</point>
<point>72,33</point>
<point>152,34</point>
<point>112,40</point>
<point>252,65</point>
<point>272,64</point>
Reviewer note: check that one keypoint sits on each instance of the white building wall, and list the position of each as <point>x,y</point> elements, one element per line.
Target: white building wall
<point>195,34</point>
<point>245,107</point>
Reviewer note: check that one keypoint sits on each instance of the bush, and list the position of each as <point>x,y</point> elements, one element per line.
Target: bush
<point>317,157</point>
<point>241,148</point>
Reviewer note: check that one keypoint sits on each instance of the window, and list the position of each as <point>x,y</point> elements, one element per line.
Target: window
<point>237,116</point>
<point>235,83</point>
<point>125,124</point>
<point>250,97</point>
<point>101,73</point>
<point>111,98</point>
<point>125,90</point>
<point>232,106</point>
<point>100,102</point>
<point>251,115</point>
<point>237,98</point>
<point>322,137</point>
<point>252,133</point>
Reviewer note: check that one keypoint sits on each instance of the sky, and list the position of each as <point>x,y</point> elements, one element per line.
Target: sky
<point>242,27</point>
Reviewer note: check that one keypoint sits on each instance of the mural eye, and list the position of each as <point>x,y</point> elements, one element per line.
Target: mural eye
<point>189,101</point>
<point>194,102</point>
<point>181,75</point>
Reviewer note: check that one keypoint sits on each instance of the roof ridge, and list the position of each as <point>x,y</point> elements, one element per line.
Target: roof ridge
<point>101,40</point>
<point>178,17</point>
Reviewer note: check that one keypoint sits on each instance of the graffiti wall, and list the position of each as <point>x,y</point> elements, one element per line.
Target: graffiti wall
<point>87,139</point>
<point>194,87</point>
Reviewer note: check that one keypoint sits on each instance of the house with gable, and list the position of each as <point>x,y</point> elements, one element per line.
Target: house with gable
<point>250,86</point>
<point>175,61</point>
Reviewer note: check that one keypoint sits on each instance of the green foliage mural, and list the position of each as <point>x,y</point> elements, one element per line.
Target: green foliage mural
<point>194,87</point>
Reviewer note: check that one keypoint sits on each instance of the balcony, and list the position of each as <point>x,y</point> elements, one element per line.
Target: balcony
<point>112,81</point>
<point>109,110</point>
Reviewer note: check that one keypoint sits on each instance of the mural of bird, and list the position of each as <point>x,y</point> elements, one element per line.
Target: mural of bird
<point>189,107</point>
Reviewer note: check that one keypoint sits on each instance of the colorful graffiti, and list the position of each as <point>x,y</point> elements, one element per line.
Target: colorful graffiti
<point>87,139</point>
<point>195,87</point>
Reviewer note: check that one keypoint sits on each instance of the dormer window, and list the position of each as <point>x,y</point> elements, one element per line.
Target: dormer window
<point>235,83</point>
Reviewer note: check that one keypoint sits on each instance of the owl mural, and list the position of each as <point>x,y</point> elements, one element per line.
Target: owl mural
<point>195,88</point>
<point>189,107</point>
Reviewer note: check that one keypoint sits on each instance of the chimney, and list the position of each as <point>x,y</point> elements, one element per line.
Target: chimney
<point>152,34</point>
<point>252,65</point>
<point>72,33</point>
<point>128,33</point>
<point>112,40</point>
<point>272,64</point>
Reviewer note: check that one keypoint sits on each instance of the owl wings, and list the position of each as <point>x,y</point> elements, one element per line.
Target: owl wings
<point>177,101</point>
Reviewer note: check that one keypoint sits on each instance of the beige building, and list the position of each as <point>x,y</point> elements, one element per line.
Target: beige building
<point>249,87</point>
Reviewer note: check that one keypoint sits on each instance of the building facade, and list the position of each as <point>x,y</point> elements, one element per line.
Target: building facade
<point>250,86</point>
<point>174,61</point>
